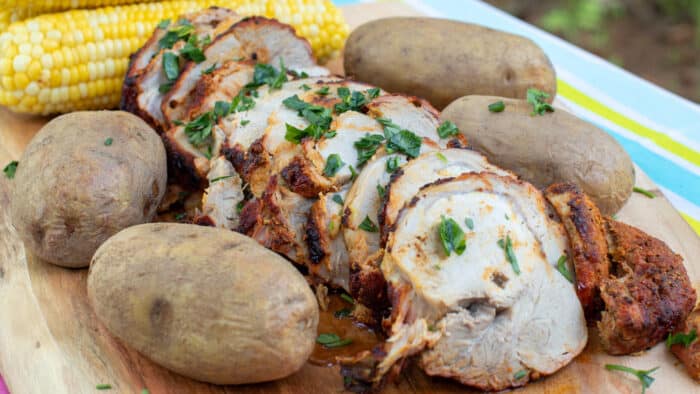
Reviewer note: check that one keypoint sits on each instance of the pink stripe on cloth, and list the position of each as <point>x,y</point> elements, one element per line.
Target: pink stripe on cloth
<point>3,388</point>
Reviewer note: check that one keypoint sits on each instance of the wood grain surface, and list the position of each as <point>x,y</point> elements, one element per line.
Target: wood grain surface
<point>51,342</point>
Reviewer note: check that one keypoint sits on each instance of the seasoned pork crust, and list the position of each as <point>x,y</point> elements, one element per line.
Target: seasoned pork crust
<point>689,356</point>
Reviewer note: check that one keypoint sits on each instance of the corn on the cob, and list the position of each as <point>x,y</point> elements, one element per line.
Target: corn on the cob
<point>77,59</point>
<point>17,10</point>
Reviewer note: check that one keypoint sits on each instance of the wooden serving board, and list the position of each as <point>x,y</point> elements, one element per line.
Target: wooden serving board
<point>51,342</point>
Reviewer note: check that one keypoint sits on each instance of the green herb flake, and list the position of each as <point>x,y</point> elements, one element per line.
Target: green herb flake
<point>366,147</point>
<point>296,135</point>
<point>305,87</point>
<point>171,66</point>
<point>368,225</point>
<point>198,131</point>
<point>447,129</point>
<point>451,236</point>
<point>319,117</point>
<point>180,216</point>
<point>342,313</point>
<point>353,173</point>
<point>643,191</point>
<point>381,190</point>
<point>165,88</point>
<point>332,340</point>
<point>323,91</point>
<point>470,223</point>
<point>643,376</point>
<point>346,297</point>
<point>239,206</point>
<point>351,101</point>
<point>210,69</point>
<point>338,199</point>
<point>432,328</point>
<point>177,33</point>
<point>333,164</point>
<point>104,387</point>
<point>373,93</point>
<point>192,51</point>
<point>108,141</point>
<point>520,374</point>
<point>400,140</point>
<point>563,269</point>
<point>507,246</point>
<point>392,164</point>
<point>222,109</point>
<point>164,23</point>
<point>10,169</point>
<point>506,216</point>
<point>441,157</point>
<point>498,106</point>
<point>681,338</point>
<point>217,179</point>
<point>304,74</point>
<point>537,99</point>
<point>145,391</point>
<point>265,74</point>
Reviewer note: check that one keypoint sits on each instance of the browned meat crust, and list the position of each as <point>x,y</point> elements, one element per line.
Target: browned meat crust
<point>648,293</point>
<point>367,284</point>
<point>589,247</point>
<point>689,356</point>
<point>301,177</point>
<point>631,282</point>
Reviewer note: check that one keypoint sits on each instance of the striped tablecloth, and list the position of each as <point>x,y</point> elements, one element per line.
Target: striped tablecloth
<point>660,130</point>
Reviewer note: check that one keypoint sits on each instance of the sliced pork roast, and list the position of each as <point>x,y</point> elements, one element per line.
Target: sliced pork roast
<point>633,284</point>
<point>483,303</point>
<point>255,38</point>
<point>146,80</point>
<point>221,200</point>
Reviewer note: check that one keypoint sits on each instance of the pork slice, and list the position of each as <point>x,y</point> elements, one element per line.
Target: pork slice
<point>480,317</point>
<point>220,200</point>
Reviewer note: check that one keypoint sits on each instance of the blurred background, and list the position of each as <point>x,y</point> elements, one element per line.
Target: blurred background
<point>659,40</point>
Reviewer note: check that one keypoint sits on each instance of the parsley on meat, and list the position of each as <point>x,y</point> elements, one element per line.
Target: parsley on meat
<point>192,49</point>
<point>164,23</point>
<point>563,269</point>
<point>333,165</point>
<point>447,129</point>
<point>210,69</point>
<point>266,74</point>
<point>198,131</point>
<point>451,236</point>
<point>323,91</point>
<point>681,338</point>
<point>381,190</point>
<point>366,147</point>
<point>507,246</point>
<point>441,157</point>
<point>171,66</point>
<point>537,99</point>
<point>373,93</point>
<point>368,225</point>
<point>470,223</point>
<point>10,169</point>
<point>175,34</point>
<point>353,101</point>
<point>338,199</point>
<point>319,119</point>
<point>392,164</point>
<point>400,140</point>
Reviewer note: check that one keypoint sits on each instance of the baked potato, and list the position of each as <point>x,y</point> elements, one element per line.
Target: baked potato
<point>207,303</point>
<point>551,148</point>
<point>82,178</point>
<point>441,60</point>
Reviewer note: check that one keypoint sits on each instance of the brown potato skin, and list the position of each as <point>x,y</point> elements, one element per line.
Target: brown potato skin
<point>71,191</point>
<point>441,60</point>
<point>552,148</point>
<point>207,303</point>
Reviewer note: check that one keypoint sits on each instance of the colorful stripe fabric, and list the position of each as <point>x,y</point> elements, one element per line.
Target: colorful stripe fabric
<point>660,130</point>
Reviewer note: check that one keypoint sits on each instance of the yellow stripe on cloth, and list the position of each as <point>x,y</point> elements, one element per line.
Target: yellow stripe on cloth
<point>694,223</point>
<point>660,139</point>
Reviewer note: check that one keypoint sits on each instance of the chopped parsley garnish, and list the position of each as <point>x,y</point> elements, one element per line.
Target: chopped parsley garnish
<point>643,191</point>
<point>242,102</point>
<point>392,164</point>
<point>643,376</point>
<point>239,206</point>
<point>319,119</point>
<point>333,164</point>
<point>470,223</point>
<point>164,23</point>
<point>332,340</point>
<point>165,88</point>
<point>244,122</point>
<point>10,169</point>
<point>192,50</point>
<point>368,225</point>
<point>367,146</point>
<point>505,215</point>
<point>400,140</point>
<point>104,387</point>
<point>109,141</point>
<point>681,338</point>
<point>441,157</point>
<point>266,74</point>
<point>296,135</point>
<point>342,313</point>
<point>346,297</point>
<point>520,374</point>
<point>338,199</point>
<point>451,236</point>
<point>210,69</point>
<point>373,93</point>
<point>323,91</point>
<point>175,34</point>
<point>145,391</point>
<point>220,178</point>
<point>447,129</point>
<point>305,87</point>
<point>221,109</point>
<point>381,190</point>
<point>180,216</point>
<point>353,173</point>
<point>171,66</point>
<point>507,246</point>
<point>432,328</point>
<point>563,269</point>
<point>353,101</point>
<point>537,99</point>
<point>198,131</point>
<point>498,106</point>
